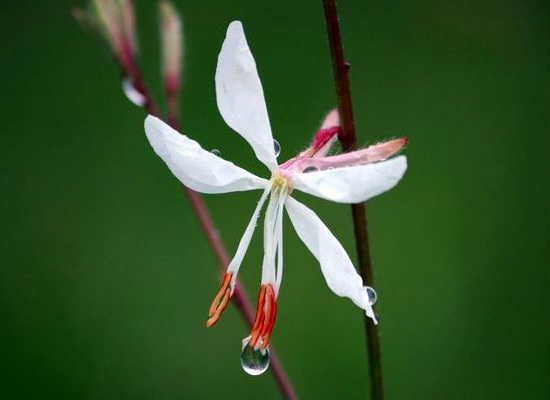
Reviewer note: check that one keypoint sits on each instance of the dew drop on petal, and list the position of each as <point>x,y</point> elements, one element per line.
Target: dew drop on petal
<point>276,148</point>
<point>132,93</point>
<point>372,295</point>
<point>254,362</point>
<point>309,169</point>
<point>216,152</point>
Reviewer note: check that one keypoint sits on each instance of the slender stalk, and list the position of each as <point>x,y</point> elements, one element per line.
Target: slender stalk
<point>240,297</point>
<point>359,214</point>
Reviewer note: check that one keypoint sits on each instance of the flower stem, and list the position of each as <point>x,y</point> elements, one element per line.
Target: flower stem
<point>359,214</point>
<point>240,296</point>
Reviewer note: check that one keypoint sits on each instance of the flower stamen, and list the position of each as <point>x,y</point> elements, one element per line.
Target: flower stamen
<point>265,318</point>
<point>220,302</point>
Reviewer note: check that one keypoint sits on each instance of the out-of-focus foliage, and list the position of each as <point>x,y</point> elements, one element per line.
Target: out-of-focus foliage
<point>105,277</point>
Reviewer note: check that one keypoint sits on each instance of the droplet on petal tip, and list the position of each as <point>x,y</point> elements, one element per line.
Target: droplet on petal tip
<point>216,152</point>
<point>371,293</point>
<point>254,362</point>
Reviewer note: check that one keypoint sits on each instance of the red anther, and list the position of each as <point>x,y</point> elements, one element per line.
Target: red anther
<point>220,302</point>
<point>265,317</point>
<point>268,330</point>
<point>259,320</point>
<point>270,301</point>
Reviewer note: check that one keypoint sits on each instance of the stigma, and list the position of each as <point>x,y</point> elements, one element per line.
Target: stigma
<point>281,182</point>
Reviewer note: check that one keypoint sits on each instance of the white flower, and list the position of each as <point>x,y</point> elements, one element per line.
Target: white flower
<point>346,178</point>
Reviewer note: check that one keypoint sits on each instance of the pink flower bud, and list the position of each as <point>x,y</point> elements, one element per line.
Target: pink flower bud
<point>172,45</point>
<point>114,21</point>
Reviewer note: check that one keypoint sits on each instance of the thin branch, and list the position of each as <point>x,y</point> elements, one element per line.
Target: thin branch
<point>359,215</point>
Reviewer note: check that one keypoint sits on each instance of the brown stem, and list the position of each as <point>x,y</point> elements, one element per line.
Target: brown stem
<point>359,214</point>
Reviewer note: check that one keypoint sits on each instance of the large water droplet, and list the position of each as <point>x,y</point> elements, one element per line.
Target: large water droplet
<point>216,152</point>
<point>132,93</point>
<point>276,148</point>
<point>372,295</point>
<point>309,169</point>
<point>254,362</point>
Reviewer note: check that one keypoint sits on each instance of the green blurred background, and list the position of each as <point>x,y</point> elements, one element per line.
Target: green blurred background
<point>105,276</point>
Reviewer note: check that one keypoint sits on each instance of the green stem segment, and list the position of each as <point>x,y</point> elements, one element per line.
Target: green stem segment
<point>359,214</point>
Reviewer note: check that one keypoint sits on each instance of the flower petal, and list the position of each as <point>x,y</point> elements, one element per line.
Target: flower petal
<point>196,168</point>
<point>341,276</point>
<point>240,96</point>
<point>352,184</point>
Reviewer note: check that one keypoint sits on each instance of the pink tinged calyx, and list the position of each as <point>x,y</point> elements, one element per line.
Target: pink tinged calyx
<point>304,162</point>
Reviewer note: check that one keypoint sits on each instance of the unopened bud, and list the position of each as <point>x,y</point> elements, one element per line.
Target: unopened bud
<point>109,23</point>
<point>325,137</point>
<point>172,45</point>
<point>128,19</point>
<point>114,21</point>
<point>332,119</point>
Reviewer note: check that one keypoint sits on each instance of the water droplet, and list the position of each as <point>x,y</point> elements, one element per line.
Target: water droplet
<point>132,93</point>
<point>276,148</point>
<point>309,169</point>
<point>254,362</point>
<point>372,295</point>
<point>216,152</point>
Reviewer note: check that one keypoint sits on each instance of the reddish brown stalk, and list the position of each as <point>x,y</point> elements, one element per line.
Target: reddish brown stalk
<point>349,143</point>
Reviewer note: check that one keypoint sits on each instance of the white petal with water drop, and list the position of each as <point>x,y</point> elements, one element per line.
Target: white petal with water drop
<point>352,184</point>
<point>195,167</point>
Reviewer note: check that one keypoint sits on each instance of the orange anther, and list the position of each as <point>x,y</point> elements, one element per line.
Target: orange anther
<point>268,329</point>
<point>220,302</point>
<point>259,320</point>
<point>265,317</point>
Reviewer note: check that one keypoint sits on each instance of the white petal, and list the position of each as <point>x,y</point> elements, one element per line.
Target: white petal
<point>196,168</point>
<point>240,96</point>
<point>235,263</point>
<point>352,184</point>
<point>336,265</point>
